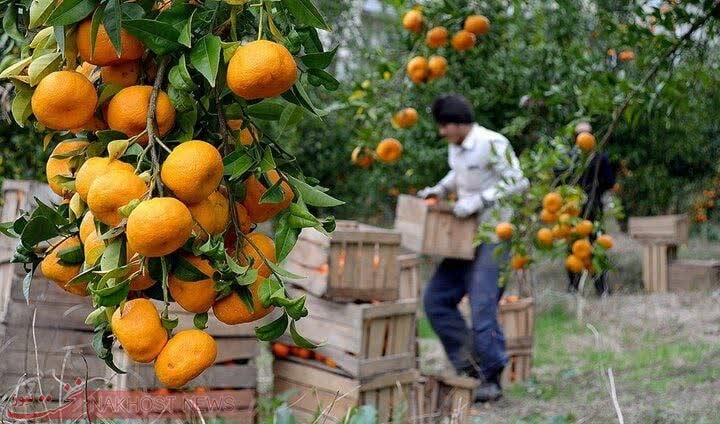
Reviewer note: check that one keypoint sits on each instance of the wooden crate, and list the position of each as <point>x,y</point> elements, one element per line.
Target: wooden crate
<point>410,286</point>
<point>694,275</point>
<point>234,368</point>
<point>357,262</point>
<point>655,268</point>
<point>316,389</point>
<point>517,320</point>
<point>518,367</point>
<point>434,230</point>
<point>448,397</point>
<point>363,339</point>
<point>667,229</point>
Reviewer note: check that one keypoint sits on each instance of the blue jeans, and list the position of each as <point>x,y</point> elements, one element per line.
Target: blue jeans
<point>478,278</point>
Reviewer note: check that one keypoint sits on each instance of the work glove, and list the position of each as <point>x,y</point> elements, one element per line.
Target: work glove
<point>435,191</point>
<point>467,206</point>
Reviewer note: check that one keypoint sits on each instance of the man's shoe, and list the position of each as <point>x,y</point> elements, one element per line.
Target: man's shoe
<point>488,392</point>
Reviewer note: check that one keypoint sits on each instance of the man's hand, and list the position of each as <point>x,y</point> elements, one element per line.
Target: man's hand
<point>435,191</point>
<point>467,206</point>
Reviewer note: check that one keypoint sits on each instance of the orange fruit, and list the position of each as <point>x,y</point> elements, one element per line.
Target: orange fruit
<point>574,264</point>
<point>127,112</point>
<point>571,208</point>
<point>280,350</point>
<point>584,228</point>
<point>138,328</point>
<point>254,190</point>
<point>330,363</point>
<point>231,310</point>
<point>244,224</point>
<point>93,247</point>
<point>158,227</point>
<point>417,69</point>
<point>513,298</point>
<point>389,150</point>
<point>60,273</point>
<point>626,55</point>
<point>405,118</point>
<point>548,217</point>
<point>194,296</point>
<point>582,248</point>
<point>463,40</point>
<point>125,74</point>
<point>184,357</point>
<point>112,191</point>
<point>437,37</point>
<point>61,166</point>
<point>413,21</point>
<point>92,169</point>
<point>545,236</point>
<point>261,69</point>
<point>211,215</point>
<point>605,241</point>
<point>560,231</point>
<point>193,170</point>
<point>104,53</point>
<point>585,141</point>
<point>477,24</point>
<point>518,262</point>
<point>87,226</point>
<point>362,156</point>
<point>94,124</point>
<point>249,253</point>
<point>64,100</point>
<point>304,353</point>
<point>437,66</point>
<point>552,202</point>
<point>248,135</point>
<point>504,231</point>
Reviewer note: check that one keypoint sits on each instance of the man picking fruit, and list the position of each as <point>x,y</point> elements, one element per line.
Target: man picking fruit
<point>483,168</point>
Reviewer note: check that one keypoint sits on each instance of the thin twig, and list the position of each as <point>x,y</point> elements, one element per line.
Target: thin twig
<point>613,394</point>
<point>151,125</point>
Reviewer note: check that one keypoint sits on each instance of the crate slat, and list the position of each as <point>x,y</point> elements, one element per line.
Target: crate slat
<point>694,275</point>
<point>666,229</point>
<point>448,397</point>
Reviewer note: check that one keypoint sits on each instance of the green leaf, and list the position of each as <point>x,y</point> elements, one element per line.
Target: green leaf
<point>10,24</point>
<point>267,162</point>
<point>113,256</point>
<point>27,281</point>
<point>267,287</point>
<point>274,194</point>
<point>6,228</point>
<point>71,11</point>
<point>273,330</point>
<point>95,22</point>
<point>169,324</point>
<point>229,49</point>
<point>160,37</point>
<point>113,295</point>
<point>107,91</point>
<point>283,415</point>
<point>233,265</point>
<point>105,137</point>
<point>290,117</point>
<point>186,31</point>
<point>296,308</point>
<point>39,11</point>
<point>179,76</point>
<point>112,21</point>
<point>86,276</point>
<point>132,10</point>
<point>38,229</point>
<point>247,298</point>
<point>237,164</point>
<point>186,271</point>
<point>365,414</point>
<point>200,321</point>
<point>306,12</point>
<point>312,195</point>
<point>182,100</point>
<point>43,65</point>
<point>283,272</point>
<point>205,57</point>
<point>285,238</point>
<point>21,106</point>
<point>319,60</point>
<point>318,77</point>
<point>300,340</point>
<point>71,255</point>
<point>269,110</point>
<point>16,68</point>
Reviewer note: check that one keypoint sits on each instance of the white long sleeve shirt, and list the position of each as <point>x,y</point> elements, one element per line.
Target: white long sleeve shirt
<point>483,168</point>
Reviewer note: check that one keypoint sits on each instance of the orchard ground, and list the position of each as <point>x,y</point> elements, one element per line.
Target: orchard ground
<point>662,349</point>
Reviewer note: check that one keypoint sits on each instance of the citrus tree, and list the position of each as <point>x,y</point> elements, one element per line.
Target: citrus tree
<point>166,123</point>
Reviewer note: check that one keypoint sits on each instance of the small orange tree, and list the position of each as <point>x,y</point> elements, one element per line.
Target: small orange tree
<point>166,122</point>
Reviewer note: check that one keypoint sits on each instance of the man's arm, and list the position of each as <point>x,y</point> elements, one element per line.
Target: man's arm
<point>446,186</point>
<point>510,177</point>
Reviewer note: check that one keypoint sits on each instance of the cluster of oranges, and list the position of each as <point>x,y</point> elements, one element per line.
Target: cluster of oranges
<point>390,149</point>
<point>421,69</point>
<point>702,205</point>
<point>568,229</point>
<point>114,200</point>
<point>283,351</point>
<point>624,56</point>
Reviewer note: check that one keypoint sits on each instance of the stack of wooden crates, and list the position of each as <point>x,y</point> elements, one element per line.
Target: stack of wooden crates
<point>362,297</point>
<point>433,229</point>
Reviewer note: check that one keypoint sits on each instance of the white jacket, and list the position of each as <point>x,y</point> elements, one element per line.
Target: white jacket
<point>483,168</point>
